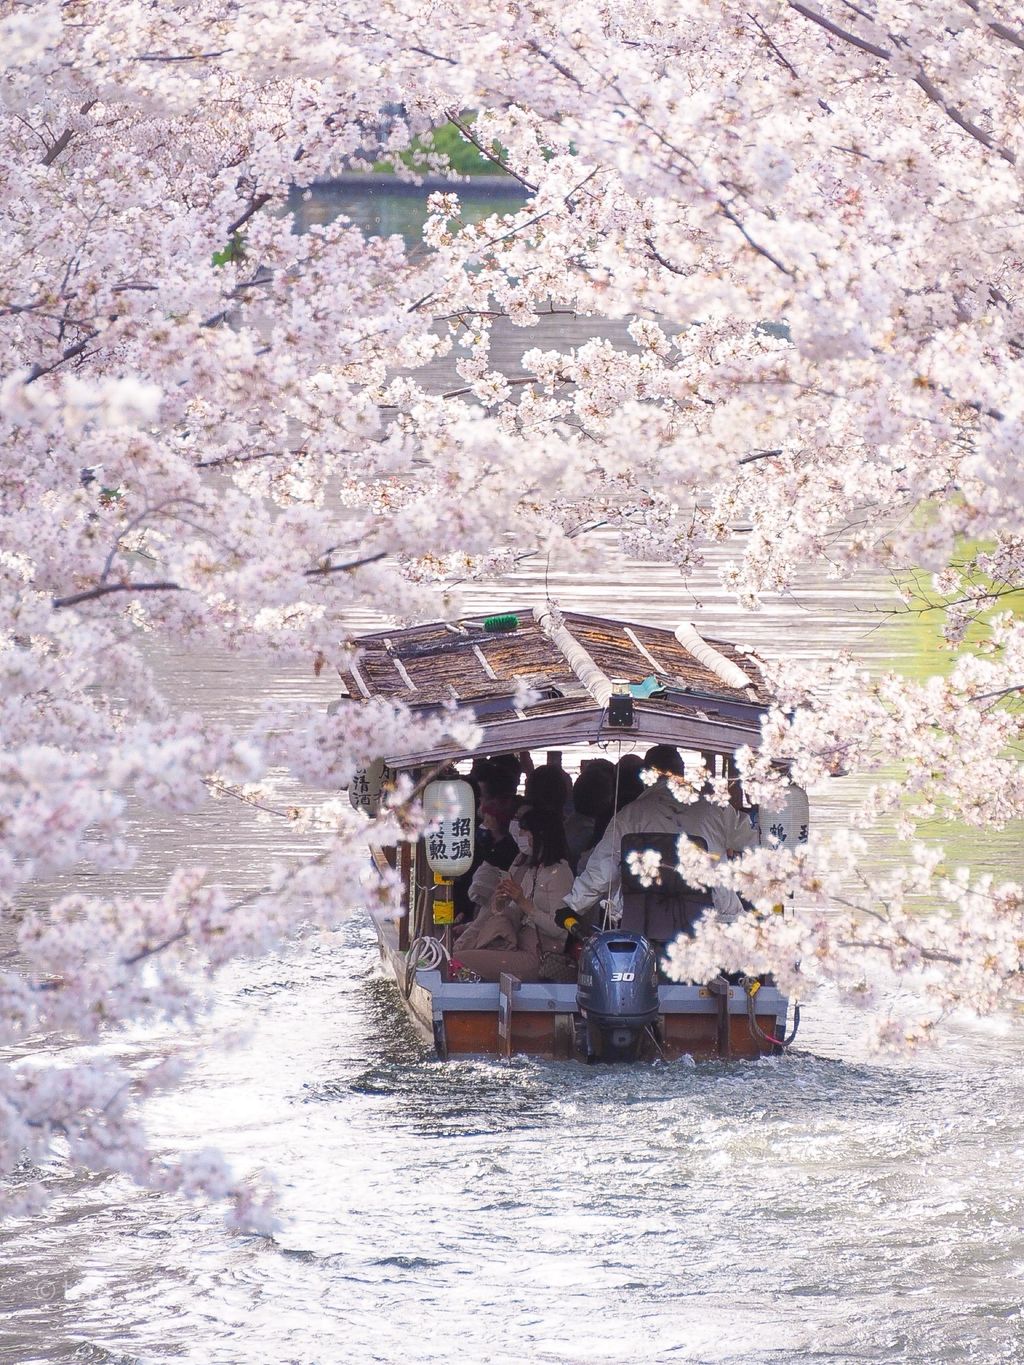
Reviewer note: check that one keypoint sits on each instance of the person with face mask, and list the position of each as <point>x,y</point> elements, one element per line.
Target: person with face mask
<point>518,932</point>
<point>496,814</point>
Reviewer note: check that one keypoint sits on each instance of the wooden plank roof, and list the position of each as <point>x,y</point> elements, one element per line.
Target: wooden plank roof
<point>444,662</point>
<point>436,663</point>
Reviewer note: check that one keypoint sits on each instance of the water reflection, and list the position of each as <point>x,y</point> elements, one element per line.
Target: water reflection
<point>384,209</point>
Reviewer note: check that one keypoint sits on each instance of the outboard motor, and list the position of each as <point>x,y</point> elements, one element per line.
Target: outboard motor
<point>617,994</point>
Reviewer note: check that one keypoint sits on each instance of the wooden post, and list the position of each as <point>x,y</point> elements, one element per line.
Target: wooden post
<point>719,988</point>
<point>736,798</point>
<point>565,1036</point>
<point>507,986</point>
<point>406,866</point>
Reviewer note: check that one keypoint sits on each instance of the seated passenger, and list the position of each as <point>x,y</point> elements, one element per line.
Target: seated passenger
<point>517,932</point>
<point>593,799</point>
<point>630,785</point>
<point>500,775</point>
<point>548,787</point>
<point>497,854</point>
<point>657,811</point>
<point>495,780</point>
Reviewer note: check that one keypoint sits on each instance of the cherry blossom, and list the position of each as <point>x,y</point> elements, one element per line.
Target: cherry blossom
<point>217,432</point>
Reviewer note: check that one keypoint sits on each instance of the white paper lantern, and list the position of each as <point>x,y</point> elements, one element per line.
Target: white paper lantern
<point>790,824</point>
<point>367,786</point>
<point>450,809</point>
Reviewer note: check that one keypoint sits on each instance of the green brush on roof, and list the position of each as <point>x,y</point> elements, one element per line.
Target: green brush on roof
<point>499,623</point>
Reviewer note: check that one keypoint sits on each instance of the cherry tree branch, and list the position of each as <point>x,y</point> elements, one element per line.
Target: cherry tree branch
<point>759,455</point>
<point>1007,34</point>
<point>134,523</point>
<point>38,371</point>
<point>327,569</point>
<point>486,152</point>
<point>183,57</point>
<point>920,78</point>
<point>257,202</point>
<point>65,138</point>
<point>106,589</point>
<point>783,60</point>
<point>999,692</point>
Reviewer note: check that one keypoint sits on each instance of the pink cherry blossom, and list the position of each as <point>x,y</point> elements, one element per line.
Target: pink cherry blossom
<point>219,433</point>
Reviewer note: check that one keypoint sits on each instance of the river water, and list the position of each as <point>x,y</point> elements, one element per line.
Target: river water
<point>830,1206</point>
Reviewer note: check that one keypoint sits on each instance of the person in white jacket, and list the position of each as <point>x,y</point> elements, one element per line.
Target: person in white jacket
<point>657,811</point>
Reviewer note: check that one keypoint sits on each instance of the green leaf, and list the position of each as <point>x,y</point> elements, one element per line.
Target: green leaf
<point>234,251</point>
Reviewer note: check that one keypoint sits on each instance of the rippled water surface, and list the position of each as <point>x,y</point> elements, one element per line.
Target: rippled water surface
<point>828,1206</point>
<point>821,1208</point>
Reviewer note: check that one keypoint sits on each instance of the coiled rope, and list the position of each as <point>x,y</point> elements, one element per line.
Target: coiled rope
<point>424,953</point>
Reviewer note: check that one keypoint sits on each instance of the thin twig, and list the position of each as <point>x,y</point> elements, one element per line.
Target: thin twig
<point>105,589</point>
<point>38,371</point>
<point>185,57</point>
<point>255,204</point>
<point>1008,35</point>
<point>759,455</point>
<point>485,152</point>
<point>328,569</point>
<point>774,47</point>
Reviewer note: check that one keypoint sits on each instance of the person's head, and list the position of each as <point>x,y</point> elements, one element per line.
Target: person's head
<point>593,792</point>
<point>496,812</point>
<point>508,764</point>
<point>498,780</point>
<point>539,835</point>
<point>630,767</point>
<point>547,787</point>
<point>665,758</point>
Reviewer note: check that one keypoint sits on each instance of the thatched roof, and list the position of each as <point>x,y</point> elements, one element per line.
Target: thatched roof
<point>709,693</point>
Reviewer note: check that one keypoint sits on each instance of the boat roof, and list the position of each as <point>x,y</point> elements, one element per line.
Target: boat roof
<point>693,692</point>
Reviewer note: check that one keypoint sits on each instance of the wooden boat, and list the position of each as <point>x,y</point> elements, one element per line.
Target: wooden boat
<point>594,682</point>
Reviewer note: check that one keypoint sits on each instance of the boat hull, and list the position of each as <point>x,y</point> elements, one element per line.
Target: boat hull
<point>541,1019</point>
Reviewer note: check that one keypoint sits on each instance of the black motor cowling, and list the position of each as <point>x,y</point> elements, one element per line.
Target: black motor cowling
<point>617,994</point>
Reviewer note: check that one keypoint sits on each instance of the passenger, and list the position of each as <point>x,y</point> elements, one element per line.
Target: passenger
<point>503,774</point>
<point>630,766</point>
<point>548,787</point>
<point>477,769</point>
<point>593,799</point>
<point>499,853</point>
<point>657,811</point>
<point>518,933</point>
<point>493,779</point>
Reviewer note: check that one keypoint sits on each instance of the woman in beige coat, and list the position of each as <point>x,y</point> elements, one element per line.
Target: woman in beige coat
<point>518,930</point>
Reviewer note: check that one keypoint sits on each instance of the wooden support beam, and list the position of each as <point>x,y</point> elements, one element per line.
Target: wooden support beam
<point>482,657</point>
<point>587,727</point>
<point>360,680</point>
<point>659,668</point>
<point>403,672</point>
<point>719,988</point>
<point>507,987</point>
